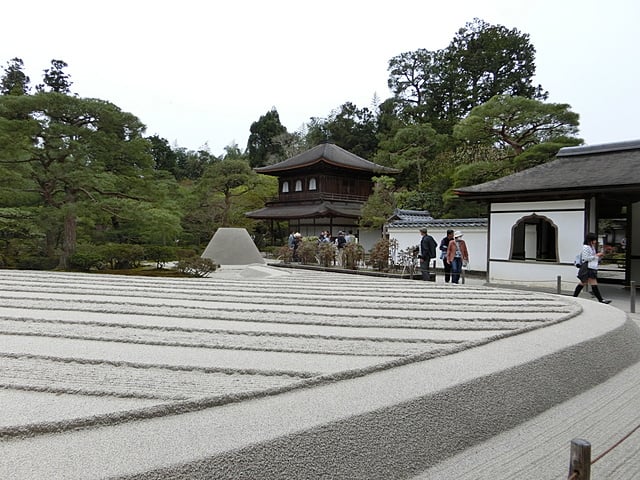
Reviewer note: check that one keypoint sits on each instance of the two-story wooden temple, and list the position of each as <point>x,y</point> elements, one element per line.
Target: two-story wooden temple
<point>323,188</point>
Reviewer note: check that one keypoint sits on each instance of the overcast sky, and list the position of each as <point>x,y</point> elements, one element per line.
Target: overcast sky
<point>201,72</point>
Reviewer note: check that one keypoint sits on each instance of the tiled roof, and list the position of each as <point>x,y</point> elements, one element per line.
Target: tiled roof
<point>321,209</point>
<point>422,218</point>
<point>612,165</point>
<point>328,153</point>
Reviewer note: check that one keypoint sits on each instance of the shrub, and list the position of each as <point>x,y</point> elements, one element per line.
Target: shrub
<point>36,263</point>
<point>122,255</point>
<point>85,258</point>
<point>326,254</point>
<point>379,256</point>
<point>307,250</point>
<point>352,253</point>
<point>196,266</point>
<point>160,254</point>
<point>285,254</point>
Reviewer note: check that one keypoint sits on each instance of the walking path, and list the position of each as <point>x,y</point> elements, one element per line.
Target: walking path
<point>539,448</point>
<point>258,372</point>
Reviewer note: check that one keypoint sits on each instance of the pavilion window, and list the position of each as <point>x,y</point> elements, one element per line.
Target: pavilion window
<point>534,238</point>
<point>298,187</point>
<point>285,187</point>
<point>312,184</point>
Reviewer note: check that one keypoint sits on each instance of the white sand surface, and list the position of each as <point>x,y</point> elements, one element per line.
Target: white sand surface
<point>94,351</point>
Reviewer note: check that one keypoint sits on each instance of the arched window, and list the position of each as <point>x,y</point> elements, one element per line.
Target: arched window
<point>298,185</point>
<point>534,238</point>
<point>285,187</point>
<point>312,184</point>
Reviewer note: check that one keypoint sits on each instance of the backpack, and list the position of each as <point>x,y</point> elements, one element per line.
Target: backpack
<point>578,260</point>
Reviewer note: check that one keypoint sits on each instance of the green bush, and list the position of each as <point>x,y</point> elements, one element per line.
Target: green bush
<point>36,263</point>
<point>85,258</point>
<point>197,266</point>
<point>122,255</point>
<point>159,254</point>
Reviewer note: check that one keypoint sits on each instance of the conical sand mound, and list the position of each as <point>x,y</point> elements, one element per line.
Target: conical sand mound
<point>232,246</point>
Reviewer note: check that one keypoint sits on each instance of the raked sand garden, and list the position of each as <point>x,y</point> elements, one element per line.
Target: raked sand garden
<point>84,354</point>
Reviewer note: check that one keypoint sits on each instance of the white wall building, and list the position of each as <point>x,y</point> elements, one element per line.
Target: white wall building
<point>538,218</point>
<point>404,227</point>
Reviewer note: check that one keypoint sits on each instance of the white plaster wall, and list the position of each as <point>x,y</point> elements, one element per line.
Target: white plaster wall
<point>475,238</point>
<point>569,218</point>
<point>538,274</point>
<point>635,245</point>
<point>368,238</point>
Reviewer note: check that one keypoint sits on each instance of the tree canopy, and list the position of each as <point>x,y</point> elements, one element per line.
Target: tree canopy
<point>70,150</point>
<point>262,146</point>
<point>80,170</point>
<point>441,87</point>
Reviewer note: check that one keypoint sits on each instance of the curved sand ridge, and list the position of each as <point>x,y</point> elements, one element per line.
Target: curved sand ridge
<point>82,350</point>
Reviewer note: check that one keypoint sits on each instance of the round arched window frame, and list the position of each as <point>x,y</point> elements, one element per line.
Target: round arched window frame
<point>534,237</point>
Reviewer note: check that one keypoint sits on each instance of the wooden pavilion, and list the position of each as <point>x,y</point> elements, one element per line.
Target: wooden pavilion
<point>323,188</point>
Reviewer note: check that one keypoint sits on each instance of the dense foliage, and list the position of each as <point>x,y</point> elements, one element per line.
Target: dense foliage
<point>78,175</point>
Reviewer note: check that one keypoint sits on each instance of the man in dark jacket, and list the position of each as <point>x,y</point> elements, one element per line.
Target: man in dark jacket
<point>427,251</point>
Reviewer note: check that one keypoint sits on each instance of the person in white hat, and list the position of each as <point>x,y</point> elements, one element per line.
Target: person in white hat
<point>457,255</point>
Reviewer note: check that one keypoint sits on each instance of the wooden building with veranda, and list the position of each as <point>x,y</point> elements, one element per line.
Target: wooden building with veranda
<point>323,188</point>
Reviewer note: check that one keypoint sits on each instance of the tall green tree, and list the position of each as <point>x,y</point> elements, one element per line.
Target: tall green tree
<point>71,151</point>
<point>441,87</point>
<point>190,164</point>
<point>352,128</point>
<point>380,205</point>
<point>262,146</point>
<point>413,78</point>
<point>490,60</point>
<point>14,81</point>
<point>55,79</point>
<point>164,158</point>
<point>222,183</point>
<point>517,123</point>
<point>413,150</point>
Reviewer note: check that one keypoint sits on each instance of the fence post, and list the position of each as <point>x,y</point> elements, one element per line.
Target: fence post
<point>580,460</point>
<point>632,293</point>
<point>559,285</point>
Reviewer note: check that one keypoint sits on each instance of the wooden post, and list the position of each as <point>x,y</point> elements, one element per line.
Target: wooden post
<point>632,293</point>
<point>580,460</point>
<point>558,284</point>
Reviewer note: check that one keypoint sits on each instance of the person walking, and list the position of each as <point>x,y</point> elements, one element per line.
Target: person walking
<point>457,256</point>
<point>427,251</point>
<point>340,242</point>
<point>592,257</point>
<point>444,244</point>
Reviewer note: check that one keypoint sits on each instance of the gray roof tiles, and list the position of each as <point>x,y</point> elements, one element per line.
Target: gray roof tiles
<point>422,218</point>
<point>575,168</point>
<point>308,210</point>
<point>328,153</point>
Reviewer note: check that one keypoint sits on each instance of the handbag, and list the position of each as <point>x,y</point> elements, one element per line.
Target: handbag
<point>582,271</point>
